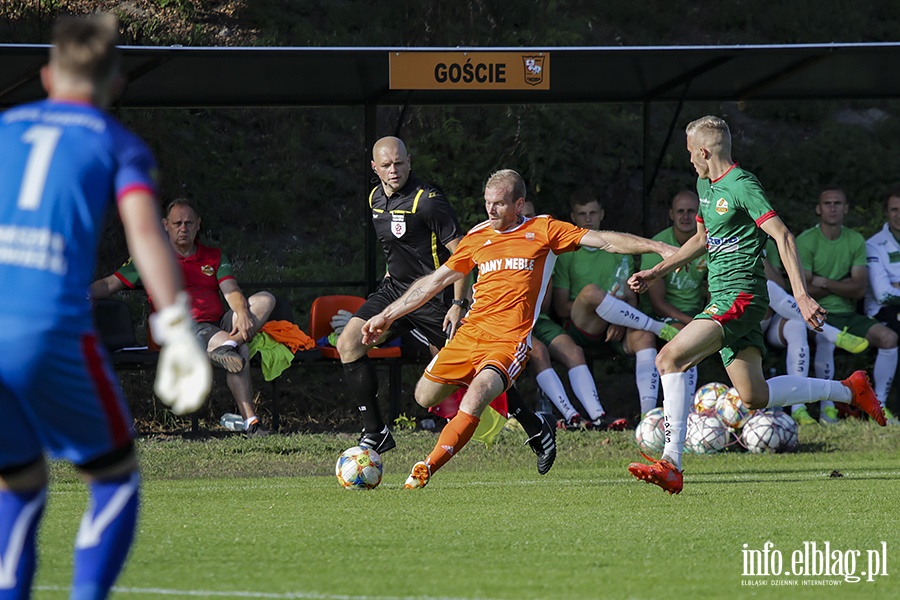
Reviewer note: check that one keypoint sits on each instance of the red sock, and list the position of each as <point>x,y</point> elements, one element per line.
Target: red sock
<point>454,436</point>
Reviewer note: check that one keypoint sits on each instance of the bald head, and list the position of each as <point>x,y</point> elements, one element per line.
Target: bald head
<point>683,213</point>
<point>391,163</point>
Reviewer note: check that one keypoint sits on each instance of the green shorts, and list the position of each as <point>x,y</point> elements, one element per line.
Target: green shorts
<point>546,330</point>
<point>739,314</point>
<point>855,323</point>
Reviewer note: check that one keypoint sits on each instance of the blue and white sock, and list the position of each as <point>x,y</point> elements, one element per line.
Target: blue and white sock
<point>106,533</point>
<point>20,514</point>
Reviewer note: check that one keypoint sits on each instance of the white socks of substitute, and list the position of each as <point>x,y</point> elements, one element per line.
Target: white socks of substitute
<point>647,378</point>
<point>797,344</point>
<point>676,406</point>
<point>582,381</point>
<point>552,386</point>
<point>882,373</point>
<point>786,306</point>
<point>612,310</point>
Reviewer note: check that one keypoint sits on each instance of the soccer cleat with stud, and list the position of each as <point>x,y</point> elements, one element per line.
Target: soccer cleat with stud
<point>659,472</point>
<point>606,423</point>
<point>829,415</point>
<point>543,444</point>
<point>851,343</point>
<point>256,430</point>
<point>419,477</point>
<point>802,416</point>
<point>668,332</point>
<point>573,424</point>
<point>864,397</point>
<point>228,358</point>
<point>380,442</point>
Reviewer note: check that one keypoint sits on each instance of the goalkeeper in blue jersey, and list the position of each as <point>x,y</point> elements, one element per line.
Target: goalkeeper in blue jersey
<point>65,163</point>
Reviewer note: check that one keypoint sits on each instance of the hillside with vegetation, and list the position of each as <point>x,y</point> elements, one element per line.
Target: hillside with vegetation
<point>281,189</point>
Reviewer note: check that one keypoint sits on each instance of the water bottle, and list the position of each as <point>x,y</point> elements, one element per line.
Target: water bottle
<point>620,279</point>
<point>545,406</point>
<point>232,422</point>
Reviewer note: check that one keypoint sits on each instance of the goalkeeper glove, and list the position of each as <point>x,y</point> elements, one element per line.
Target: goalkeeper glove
<point>183,375</point>
<point>340,320</point>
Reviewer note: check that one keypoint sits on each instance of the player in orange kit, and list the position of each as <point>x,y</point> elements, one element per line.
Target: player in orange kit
<point>515,257</point>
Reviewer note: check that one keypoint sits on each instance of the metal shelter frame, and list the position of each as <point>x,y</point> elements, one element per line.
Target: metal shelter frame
<point>185,77</point>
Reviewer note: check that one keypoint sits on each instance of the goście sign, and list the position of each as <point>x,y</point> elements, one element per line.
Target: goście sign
<point>468,70</point>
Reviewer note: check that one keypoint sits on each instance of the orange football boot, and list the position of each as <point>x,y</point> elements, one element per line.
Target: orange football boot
<point>660,472</point>
<point>864,397</point>
<point>419,477</point>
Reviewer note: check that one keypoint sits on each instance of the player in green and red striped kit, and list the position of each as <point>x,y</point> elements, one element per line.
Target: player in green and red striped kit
<point>735,217</point>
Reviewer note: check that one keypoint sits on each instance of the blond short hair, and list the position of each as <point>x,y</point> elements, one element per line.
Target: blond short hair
<point>711,133</point>
<point>85,47</point>
<point>509,180</point>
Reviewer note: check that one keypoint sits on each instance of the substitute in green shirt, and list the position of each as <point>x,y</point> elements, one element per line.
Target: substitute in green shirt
<point>682,294</point>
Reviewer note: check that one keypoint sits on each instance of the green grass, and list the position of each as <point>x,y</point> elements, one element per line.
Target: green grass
<point>234,518</point>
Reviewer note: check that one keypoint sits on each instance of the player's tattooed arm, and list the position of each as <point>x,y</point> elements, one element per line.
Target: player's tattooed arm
<point>421,291</point>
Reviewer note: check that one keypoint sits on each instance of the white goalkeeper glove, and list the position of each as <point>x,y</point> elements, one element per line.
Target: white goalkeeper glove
<point>340,320</point>
<point>183,374</point>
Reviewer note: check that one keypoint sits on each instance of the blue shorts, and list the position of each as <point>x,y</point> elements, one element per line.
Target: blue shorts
<point>58,394</point>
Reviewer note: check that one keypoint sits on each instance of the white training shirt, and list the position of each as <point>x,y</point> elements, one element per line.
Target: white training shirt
<point>883,260</point>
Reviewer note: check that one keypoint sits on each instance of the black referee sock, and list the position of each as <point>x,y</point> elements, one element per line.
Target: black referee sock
<point>363,381</point>
<point>529,421</point>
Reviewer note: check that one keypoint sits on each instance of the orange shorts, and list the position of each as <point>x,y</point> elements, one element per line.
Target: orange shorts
<point>470,351</point>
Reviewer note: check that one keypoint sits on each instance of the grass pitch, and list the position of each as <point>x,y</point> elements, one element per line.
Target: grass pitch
<point>235,518</point>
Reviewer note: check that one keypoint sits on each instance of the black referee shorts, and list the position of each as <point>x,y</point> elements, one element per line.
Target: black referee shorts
<point>428,319</point>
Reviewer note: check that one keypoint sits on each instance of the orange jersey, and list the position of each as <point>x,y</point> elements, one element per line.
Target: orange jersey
<point>514,267</point>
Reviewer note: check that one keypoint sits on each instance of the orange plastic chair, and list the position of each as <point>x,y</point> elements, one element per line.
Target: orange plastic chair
<point>325,307</point>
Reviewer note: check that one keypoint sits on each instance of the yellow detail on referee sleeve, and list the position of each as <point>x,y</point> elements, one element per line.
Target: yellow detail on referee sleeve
<point>416,201</point>
<point>434,250</point>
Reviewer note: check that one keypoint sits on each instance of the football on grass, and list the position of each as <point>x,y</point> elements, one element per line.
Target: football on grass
<point>706,434</point>
<point>358,468</point>
<point>761,433</point>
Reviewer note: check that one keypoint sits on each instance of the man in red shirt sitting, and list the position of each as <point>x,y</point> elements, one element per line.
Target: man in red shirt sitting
<point>224,332</point>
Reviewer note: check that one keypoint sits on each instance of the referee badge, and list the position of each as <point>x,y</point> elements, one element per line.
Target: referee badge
<point>398,225</point>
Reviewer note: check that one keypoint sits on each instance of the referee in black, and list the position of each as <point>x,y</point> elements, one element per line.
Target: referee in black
<point>418,230</point>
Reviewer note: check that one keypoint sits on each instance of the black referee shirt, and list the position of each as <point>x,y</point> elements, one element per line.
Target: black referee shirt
<point>413,226</point>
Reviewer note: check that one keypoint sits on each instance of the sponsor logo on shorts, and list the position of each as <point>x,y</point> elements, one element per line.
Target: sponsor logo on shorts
<point>712,309</point>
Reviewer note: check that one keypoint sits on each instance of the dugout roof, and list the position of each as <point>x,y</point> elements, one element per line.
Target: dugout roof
<point>181,77</point>
<point>166,77</point>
